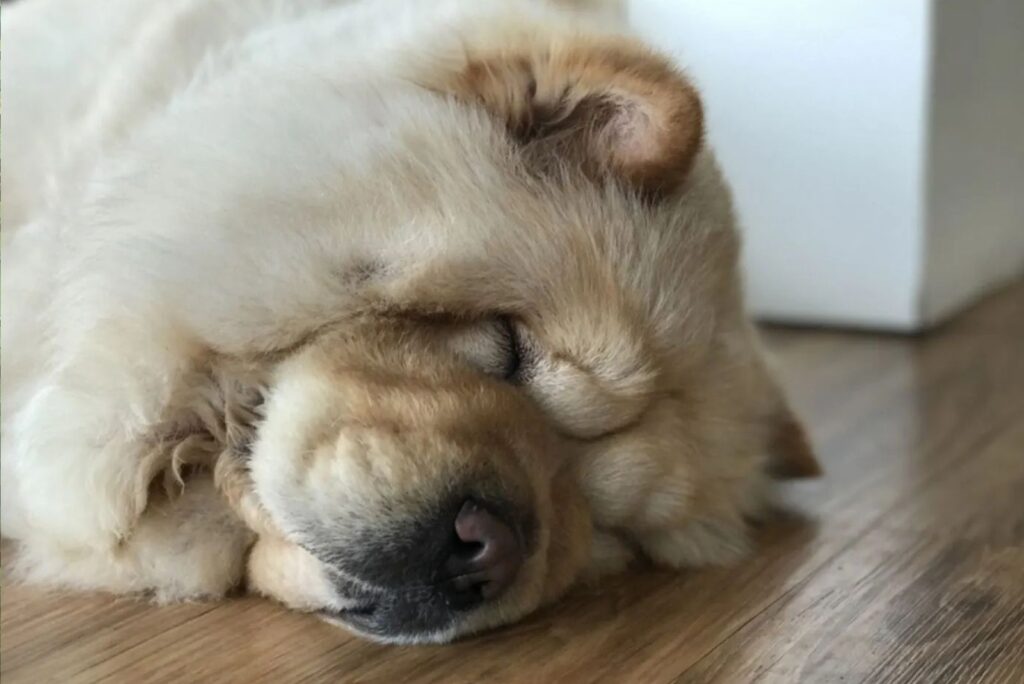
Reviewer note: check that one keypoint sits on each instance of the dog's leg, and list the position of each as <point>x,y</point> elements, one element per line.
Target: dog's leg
<point>190,546</point>
<point>82,448</point>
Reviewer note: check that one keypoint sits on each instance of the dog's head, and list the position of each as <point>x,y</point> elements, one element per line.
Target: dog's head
<point>433,496</point>
<point>539,333</point>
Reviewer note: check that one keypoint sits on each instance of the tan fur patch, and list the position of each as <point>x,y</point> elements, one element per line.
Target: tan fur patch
<point>608,104</point>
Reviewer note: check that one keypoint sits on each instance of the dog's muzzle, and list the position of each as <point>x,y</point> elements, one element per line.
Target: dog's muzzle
<point>417,584</point>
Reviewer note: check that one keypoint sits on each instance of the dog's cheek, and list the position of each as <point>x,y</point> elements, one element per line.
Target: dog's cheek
<point>571,535</point>
<point>642,477</point>
<point>287,573</point>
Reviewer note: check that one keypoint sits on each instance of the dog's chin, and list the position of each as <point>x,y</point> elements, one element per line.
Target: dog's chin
<point>420,615</point>
<point>370,622</point>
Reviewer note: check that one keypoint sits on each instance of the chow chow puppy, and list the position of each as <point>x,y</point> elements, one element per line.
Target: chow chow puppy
<point>409,314</point>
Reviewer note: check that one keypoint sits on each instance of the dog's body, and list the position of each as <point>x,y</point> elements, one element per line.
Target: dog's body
<point>329,271</point>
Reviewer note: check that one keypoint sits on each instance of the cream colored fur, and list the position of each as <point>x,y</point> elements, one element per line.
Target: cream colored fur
<point>244,235</point>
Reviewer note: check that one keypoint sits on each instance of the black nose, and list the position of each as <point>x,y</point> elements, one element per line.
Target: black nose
<point>485,558</point>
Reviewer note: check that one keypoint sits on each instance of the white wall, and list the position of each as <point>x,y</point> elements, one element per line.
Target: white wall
<point>822,114</point>
<point>975,197</point>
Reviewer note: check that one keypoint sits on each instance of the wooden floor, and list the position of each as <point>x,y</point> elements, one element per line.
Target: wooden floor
<point>905,564</point>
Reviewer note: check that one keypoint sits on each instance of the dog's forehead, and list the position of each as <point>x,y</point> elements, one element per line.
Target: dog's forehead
<point>431,206</point>
<point>617,291</point>
<point>567,250</point>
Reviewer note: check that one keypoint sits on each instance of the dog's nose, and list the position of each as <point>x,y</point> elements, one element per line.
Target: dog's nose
<point>485,558</point>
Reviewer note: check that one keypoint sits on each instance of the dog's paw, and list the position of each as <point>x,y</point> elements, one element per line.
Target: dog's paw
<point>191,547</point>
<point>81,482</point>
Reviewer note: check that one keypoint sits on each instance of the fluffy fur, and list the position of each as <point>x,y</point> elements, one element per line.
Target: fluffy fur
<point>265,264</point>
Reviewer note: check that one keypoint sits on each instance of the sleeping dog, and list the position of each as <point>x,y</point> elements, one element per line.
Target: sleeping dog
<point>408,314</point>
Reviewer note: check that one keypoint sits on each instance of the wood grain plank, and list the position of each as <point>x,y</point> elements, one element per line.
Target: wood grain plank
<point>933,593</point>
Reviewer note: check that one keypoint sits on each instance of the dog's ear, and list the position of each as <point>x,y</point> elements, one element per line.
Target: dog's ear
<point>790,455</point>
<point>607,104</point>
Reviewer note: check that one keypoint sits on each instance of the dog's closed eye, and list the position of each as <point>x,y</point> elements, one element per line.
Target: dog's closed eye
<point>493,346</point>
<point>513,350</point>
